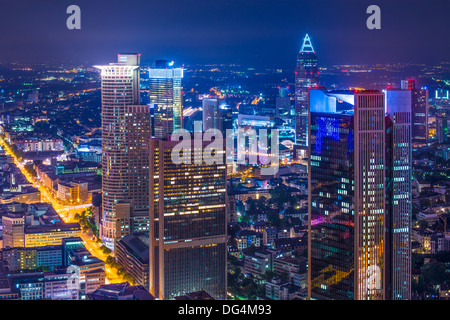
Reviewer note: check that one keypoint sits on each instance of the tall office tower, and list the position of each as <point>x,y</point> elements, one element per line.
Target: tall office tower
<point>346,198</point>
<point>216,114</point>
<point>419,108</point>
<point>306,76</point>
<point>125,136</point>
<point>398,195</point>
<point>283,103</point>
<point>442,129</point>
<point>166,96</point>
<point>187,222</point>
<point>211,113</point>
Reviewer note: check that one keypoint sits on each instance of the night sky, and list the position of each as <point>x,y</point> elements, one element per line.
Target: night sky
<point>251,32</point>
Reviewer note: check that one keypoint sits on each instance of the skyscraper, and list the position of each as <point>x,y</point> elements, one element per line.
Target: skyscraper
<point>442,129</point>
<point>125,136</point>
<point>211,113</point>
<point>216,114</point>
<point>419,109</point>
<point>283,103</point>
<point>360,195</point>
<point>398,195</point>
<point>306,76</point>
<point>346,195</point>
<point>187,222</point>
<point>166,95</point>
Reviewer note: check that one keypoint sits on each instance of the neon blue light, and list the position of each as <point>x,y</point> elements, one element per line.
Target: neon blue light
<point>327,127</point>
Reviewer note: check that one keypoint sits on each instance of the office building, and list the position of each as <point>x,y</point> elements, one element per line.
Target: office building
<point>132,254</point>
<point>442,129</point>
<point>61,285</point>
<point>120,291</point>
<point>49,234</point>
<point>398,219</point>
<point>13,230</point>
<point>166,97</point>
<point>283,103</point>
<point>46,257</point>
<point>216,114</point>
<point>91,272</point>
<point>29,285</point>
<point>187,222</point>
<point>346,208</point>
<point>125,134</point>
<point>306,76</point>
<point>419,109</point>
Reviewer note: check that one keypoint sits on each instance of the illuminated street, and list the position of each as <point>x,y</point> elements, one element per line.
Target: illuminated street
<point>67,213</point>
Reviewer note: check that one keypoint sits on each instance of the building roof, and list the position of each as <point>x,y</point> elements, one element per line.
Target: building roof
<point>137,244</point>
<point>119,291</point>
<point>199,295</point>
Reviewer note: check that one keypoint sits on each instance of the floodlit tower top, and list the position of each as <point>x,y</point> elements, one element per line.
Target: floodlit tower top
<point>307,45</point>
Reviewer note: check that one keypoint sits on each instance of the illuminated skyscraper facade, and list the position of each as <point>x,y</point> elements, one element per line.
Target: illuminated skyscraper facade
<point>306,76</point>
<point>216,114</point>
<point>419,109</point>
<point>211,113</point>
<point>166,95</point>
<point>125,136</point>
<point>398,194</point>
<point>187,223</point>
<point>346,195</point>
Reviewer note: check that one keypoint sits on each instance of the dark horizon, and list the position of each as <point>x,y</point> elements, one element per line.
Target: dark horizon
<point>252,32</point>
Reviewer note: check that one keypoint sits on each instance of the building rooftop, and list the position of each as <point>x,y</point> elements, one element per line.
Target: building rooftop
<point>120,291</point>
<point>199,295</point>
<point>137,244</point>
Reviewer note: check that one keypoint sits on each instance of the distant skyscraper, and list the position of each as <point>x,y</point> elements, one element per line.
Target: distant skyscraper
<point>166,94</point>
<point>283,103</point>
<point>211,113</point>
<point>306,76</point>
<point>419,108</point>
<point>398,195</point>
<point>442,129</point>
<point>125,136</point>
<point>187,223</point>
<point>346,195</point>
<point>216,114</point>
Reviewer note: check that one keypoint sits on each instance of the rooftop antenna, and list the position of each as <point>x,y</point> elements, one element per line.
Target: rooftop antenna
<point>307,45</point>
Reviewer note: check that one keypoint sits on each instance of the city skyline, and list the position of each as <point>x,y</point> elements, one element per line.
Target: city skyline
<point>228,150</point>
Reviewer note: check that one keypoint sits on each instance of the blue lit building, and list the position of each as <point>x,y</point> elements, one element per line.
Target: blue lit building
<point>346,195</point>
<point>165,94</point>
<point>398,194</point>
<point>360,195</point>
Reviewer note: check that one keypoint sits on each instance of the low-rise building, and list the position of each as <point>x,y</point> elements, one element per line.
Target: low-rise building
<point>257,263</point>
<point>120,291</point>
<point>132,252</point>
<point>247,238</point>
<point>52,234</point>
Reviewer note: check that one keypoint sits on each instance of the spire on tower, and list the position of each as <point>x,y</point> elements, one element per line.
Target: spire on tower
<point>307,45</point>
